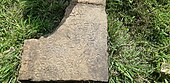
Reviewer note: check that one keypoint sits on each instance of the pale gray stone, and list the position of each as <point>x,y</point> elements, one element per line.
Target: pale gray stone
<point>77,50</point>
<point>98,2</point>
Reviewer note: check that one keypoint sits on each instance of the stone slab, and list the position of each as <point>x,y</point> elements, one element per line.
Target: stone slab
<point>98,2</point>
<point>77,50</point>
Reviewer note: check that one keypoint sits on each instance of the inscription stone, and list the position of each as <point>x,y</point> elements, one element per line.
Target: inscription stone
<point>77,50</point>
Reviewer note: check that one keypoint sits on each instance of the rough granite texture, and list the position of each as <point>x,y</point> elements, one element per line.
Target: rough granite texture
<point>77,50</point>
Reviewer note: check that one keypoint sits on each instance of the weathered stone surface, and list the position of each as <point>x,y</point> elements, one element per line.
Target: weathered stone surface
<point>77,50</point>
<point>98,2</point>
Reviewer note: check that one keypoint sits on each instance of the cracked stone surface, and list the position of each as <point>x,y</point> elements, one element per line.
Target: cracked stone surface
<point>77,50</point>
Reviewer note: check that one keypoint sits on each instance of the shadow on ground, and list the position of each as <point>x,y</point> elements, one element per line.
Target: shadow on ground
<point>44,15</point>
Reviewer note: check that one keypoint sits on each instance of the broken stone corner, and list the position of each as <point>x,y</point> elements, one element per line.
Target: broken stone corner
<point>76,51</point>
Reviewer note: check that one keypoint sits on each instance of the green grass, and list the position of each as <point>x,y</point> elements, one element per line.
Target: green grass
<point>139,40</point>
<point>139,36</point>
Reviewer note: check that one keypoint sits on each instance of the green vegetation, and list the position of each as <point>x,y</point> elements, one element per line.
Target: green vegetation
<point>139,36</point>
<point>139,40</point>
